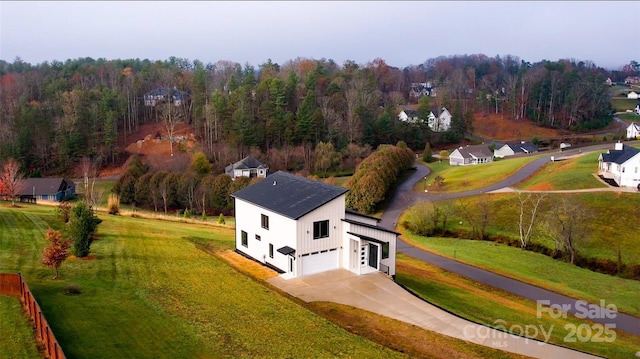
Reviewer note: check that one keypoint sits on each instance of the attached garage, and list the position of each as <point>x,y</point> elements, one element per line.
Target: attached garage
<point>320,261</point>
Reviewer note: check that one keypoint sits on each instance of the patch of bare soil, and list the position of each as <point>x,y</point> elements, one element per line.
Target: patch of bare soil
<point>498,127</point>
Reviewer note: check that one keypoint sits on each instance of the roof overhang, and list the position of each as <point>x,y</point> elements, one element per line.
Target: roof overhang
<point>367,238</point>
<point>286,250</point>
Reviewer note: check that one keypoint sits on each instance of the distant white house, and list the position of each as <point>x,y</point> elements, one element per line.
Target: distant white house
<point>408,114</point>
<point>299,227</point>
<point>439,123</point>
<point>608,81</point>
<point>638,109</point>
<point>444,121</point>
<point>632,95</point>
<point>510,149</point>
<point>470,155</point>
<point>633,131</point>
<point>622,165</point>
<point>247,167</point>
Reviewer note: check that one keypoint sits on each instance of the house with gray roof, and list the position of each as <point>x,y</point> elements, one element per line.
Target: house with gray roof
<point>247,167</point>
<point>48,189</point>
<point>470,155</point>
<point>510,149</point>
<point>299,227</point>
<point>622,165</point>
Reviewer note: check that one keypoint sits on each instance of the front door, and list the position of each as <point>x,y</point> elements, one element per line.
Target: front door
<point>373,255</point>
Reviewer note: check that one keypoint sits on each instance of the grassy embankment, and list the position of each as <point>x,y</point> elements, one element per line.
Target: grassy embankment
<point>466,178</point>
<point>495,307</point>
<point>621,104</point>
<point>164,289</point>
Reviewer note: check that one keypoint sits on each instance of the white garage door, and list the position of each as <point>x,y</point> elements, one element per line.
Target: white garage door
<point>320,262</point>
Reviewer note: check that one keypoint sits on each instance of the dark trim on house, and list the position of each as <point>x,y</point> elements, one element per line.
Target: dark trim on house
<point>370,226</point>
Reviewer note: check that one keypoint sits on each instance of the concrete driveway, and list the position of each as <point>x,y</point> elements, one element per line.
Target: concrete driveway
<point>377,293</point>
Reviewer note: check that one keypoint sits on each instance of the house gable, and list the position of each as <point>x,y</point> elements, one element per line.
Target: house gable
<point>247,167</point>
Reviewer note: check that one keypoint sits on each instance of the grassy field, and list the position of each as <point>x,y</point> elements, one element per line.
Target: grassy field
<point>629,117</point>
<point>536,269</point>
<point>158,289</point>
<point>623,104</point>
<point>493,307</point>
<point>17,339</point>
<point>193,304</point>
<point>466,178</point>
<point>575,173</point>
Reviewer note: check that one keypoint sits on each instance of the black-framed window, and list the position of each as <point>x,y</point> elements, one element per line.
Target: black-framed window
<point>244,238</point>
<point>264,221</point>
<point>258,238</point>
<point>320,229</point>
<point>270,250</point>
<point>385,250</point>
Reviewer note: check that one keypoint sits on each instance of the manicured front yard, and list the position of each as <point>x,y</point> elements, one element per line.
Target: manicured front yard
<point>149,292</point>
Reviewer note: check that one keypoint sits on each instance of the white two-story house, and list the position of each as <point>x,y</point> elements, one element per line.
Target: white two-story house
<point>622,165</point>
<point>299,227</point>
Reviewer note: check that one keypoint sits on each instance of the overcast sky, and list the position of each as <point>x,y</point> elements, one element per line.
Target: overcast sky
<point>402,33</point>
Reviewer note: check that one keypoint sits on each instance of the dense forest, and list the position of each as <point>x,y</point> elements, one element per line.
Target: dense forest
<point>54,113</point>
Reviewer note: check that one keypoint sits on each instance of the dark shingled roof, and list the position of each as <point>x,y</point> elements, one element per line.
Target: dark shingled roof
<point>289,195</point>
<point>526,147</point>
<point>620,156</point>
<point>370,226</point>
<point>48,186</point>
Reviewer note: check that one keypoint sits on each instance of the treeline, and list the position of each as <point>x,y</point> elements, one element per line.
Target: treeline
<point>376,175</point>
<point>195,191</point>
<point>54,113</point>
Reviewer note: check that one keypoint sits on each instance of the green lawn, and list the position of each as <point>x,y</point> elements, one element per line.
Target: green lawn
<point>17,339</point>
<point>574,173</point>
<point>149,292</point>
<point>466,178</point>
<point>537,269</point>
<point>629,117</point>
<point>495,308</point>
<point>623,104</point>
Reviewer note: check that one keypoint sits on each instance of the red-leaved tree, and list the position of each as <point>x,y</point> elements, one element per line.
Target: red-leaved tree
<point>56,251</point>
<point>11,180</point>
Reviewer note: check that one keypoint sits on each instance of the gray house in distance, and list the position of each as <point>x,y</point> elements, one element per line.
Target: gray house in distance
<point>247,167</point>
<point>47,189</point>
<point>511,149</point>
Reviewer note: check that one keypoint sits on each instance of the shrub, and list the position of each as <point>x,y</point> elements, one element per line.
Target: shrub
<point>221,219</point>
<point>82,226</point>
<point>56,251</point>
<point>113,204</point>
<point>444,154</point>
<point>64,211</point>
<point>427,155</point>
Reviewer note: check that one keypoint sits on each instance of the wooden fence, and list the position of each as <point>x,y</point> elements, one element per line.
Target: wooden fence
<point>14,284</point>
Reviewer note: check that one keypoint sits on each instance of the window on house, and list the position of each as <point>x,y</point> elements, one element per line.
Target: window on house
<point>320,229</point>
<point>270,250</point>
<point>385,251</point>
<point>245,240</point>
<point>258,237</point>
<point>264,221</point>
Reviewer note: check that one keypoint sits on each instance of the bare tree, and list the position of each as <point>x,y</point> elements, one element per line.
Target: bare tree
<point>89,170</point>
<point>477,214</point>
<point>11,180</point>
<point>530,204</point>
<point>567,224</point>
<point>171,118</point>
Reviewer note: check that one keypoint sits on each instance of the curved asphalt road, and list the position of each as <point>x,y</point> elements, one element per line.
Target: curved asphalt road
<point>404,197</point>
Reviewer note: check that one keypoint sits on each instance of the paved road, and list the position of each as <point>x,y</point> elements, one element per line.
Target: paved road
<point>404,197</point>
